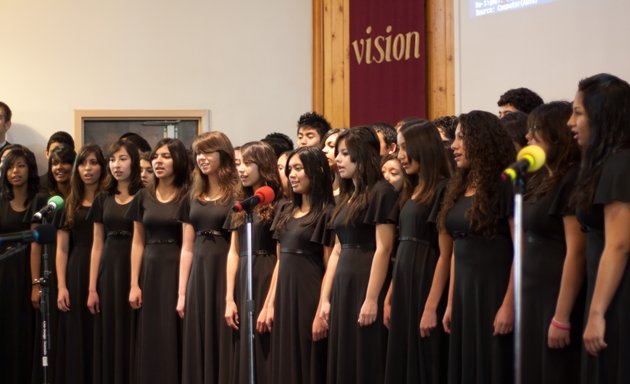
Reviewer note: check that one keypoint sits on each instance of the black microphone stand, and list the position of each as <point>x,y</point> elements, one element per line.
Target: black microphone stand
<point>44,310</point>
<point>250,299</point>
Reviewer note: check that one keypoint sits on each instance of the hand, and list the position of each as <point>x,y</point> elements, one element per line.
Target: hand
<point>504,320</point>
<point>320,329</point>
<point>135,297</point>
<point>367,315</point>
<point>270,317</point>
<point>324,313</point>
<point>387,314</point>
<point>446,320</point>
<point>261,324</point>
<point>428,322</point>
<point>558,338</point>
<point>231,315</point>
<point>35,296</point>
<point>594,334</point>
<point>63,299</point>
<point>93,303</point>
<point>181,304</point>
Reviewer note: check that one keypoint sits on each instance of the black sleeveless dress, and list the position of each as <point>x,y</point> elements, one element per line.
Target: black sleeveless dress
<point>357,354</point>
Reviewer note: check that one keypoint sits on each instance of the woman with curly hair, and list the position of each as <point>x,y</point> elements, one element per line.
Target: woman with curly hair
<point>207,339</point>
<point>422,265</point>
<point>17,193</point>
<point>155,253</point>
<point>601,125</point>
<point>353,292</point>
<point>110,265</point>
<point>477,213</point>
<point>74,244</point>
<point>258,167</point>
<point>553,254</point>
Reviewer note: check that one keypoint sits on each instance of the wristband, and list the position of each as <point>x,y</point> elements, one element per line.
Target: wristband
<point>561,326</point>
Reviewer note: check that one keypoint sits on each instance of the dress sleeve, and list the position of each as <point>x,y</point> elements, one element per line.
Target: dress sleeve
<point>506,199</point>
<point>136,208</point>
<point>560,203</point>
<point>95,214</point>
<point>280,211</point>
<point>437,201</point>
<point>382,205</point>
<point>614,184</point>
<point>323,233</point>
<point>183,212</point>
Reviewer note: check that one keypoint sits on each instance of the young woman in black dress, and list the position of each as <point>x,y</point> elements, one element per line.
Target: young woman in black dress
<point>74,244</point>
<point>155,253</point>
<point>110,265</point>
<point>351,301</point>
<point>298,353</point>
<point>477,213</point>
<point>258,167</point>
<point>601,125</point>
<point>207,339</point>
<point>553,254</point>
<point>422,265</point>
<point>17,193</point>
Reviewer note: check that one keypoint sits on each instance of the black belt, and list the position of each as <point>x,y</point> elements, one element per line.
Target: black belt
<point>119,234</point>
<point>295,251</point>
<point>162,241</point>
<point>414,239</point>
<point>210,232</point>
<point>358,246</point>
<point>259,252</point>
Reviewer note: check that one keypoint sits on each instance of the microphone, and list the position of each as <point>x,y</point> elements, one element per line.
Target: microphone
<point>43,234</point>
<point>55,204</point>
<point>263,195</point>
<point>529,159</point>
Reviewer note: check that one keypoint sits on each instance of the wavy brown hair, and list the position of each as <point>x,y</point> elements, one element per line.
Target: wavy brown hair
<point>181,162</point>
<point>489,150</point>
<point>363,146</point>
<point>77,187</point>
<point>13,153</point>
<point>549,122</point>
<point>423,145</point>
<point>215,141</point>
<point>263,155</point>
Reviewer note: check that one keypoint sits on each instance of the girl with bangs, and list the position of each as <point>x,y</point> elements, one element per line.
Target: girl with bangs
<point>207,353</point>
<point>417,349</point>
<point>155,256</point>
<point>353,292</point>
<point>74,243</point>
<point>477,214</point>
<point>304,246</point>
<point>18,188</point>
<point>553,266</point>
<point>258,167</point>
<point>110,265</point>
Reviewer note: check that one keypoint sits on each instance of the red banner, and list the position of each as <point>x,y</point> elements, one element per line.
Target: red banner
<point>387,60</point>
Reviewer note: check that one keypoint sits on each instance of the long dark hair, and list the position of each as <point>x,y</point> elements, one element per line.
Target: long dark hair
<point>606,100</point>
<point>16,151</point>
<point>320,195</point>
<point>63,154</point>
<point>483,134</point>
<point>363,146</point>
<point>135,182</point>
<point>77,188</point>
<point>549,121</point>
<point>423,145</point>
<point>215,141</point>
<point>181,162</point>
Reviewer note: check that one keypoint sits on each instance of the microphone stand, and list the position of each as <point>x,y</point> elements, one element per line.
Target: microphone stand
<point>250,299</point>
<point>44,310</point>
<point>519,189</point>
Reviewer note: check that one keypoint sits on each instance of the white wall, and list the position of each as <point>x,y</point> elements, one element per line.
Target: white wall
<point>248,62</point>
<point>547,48</point>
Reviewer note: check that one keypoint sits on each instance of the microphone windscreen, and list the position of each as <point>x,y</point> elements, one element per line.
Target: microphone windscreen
<point>534,154</point>
<point>266,194</point>
<point>58,201</point>
<point>45,233</point>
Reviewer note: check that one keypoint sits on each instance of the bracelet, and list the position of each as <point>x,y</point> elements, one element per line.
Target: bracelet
<point>561,326</point>
<point>35,282</point>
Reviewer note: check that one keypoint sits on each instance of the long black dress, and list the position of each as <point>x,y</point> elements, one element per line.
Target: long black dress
<point>410,358</point>
<point>16,312</point>
<point>482,273</point>
<point>542,264</point>
<point>357,354</point>
<point>295,357</point>
<point>75,336</point>
<point>611,365</point>
<point>112,326</point>
<point>158,355</point>
<point>263,263</point>
<point>207,339</point>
